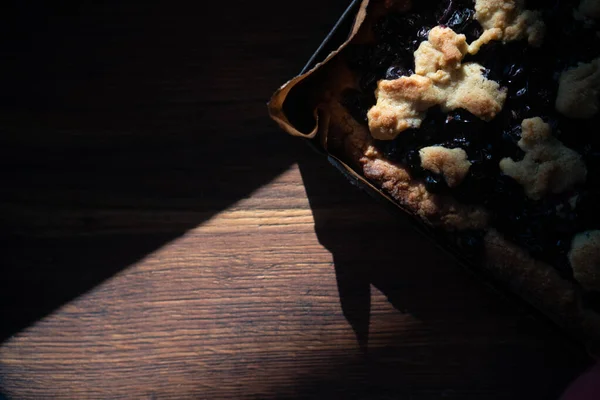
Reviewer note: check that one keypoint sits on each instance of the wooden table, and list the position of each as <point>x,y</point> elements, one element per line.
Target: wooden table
<point>163,239</point>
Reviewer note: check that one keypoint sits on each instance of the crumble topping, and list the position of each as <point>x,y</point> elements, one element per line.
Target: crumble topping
<point>439,78</point>
<point>508,20</point>
<point>548,166</point>
<point>578,90</point>
<point>451,163</point>
<point>437,210</point>
<point>443,51</point>
<point>530,231</point>
<point>534,165</point>
<point>585,259</point>
<point>486,37</point>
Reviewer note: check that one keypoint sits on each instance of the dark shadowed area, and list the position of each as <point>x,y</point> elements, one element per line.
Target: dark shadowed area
<point>127,130</point>
<point>124,125</point>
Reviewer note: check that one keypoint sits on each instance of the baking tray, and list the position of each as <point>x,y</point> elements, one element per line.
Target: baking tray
<point>338,34</point>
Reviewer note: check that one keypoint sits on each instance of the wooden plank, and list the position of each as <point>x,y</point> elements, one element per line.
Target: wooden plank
<point>246,304</point>
<point>162,239</point>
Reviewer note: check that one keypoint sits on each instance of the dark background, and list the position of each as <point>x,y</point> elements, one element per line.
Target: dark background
<point>116,115</point>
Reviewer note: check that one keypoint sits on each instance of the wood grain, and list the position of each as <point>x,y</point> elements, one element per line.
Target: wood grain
<point>164,240</point>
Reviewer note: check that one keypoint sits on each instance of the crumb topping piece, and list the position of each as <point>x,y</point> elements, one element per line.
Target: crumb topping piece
<point>507,20</point>
<point>585,259</point>
<point>451,163</point>
<point>440,79</point>
<point>578,90</point>
<point>439,211</point>
<point>548,166</point>
<point>443,51</point>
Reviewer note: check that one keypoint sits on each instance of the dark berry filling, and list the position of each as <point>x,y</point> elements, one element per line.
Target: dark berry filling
<point>530,76</point>
<point>592,300</point>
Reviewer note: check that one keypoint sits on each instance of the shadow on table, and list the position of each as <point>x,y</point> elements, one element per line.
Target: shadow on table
<point>397,372</point>
<point>124,125</point>
<point>80,221</point>
<point>467,335</point>
<point>373,248</point>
